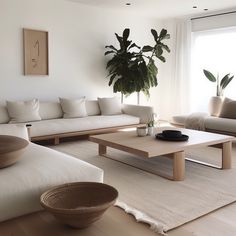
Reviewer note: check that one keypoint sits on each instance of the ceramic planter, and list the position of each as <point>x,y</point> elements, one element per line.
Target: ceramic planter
<point>215,104</point>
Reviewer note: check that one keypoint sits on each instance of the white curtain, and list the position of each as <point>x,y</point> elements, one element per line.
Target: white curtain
<point>171,96</point>
<point>172,93</point>
<point>180,79</point>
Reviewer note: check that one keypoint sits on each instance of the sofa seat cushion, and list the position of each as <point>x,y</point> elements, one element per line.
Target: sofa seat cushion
<point>221,124</point>
<point>22,184</point>
<point>57,126</point>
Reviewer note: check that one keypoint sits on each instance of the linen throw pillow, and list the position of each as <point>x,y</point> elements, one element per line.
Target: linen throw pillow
<point>73,108</point>
<point>110,106</point>
<point>228,109</point>
<point>23,111</point>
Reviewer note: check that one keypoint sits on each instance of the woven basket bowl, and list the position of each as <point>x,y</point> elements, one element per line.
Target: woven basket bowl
<point>79,204</point>
<point>11,148</point>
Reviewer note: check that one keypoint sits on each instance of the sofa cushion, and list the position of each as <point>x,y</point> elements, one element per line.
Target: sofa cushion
<point>92,108</point>
<point>38,170</point>
<point>221,124</point>
<point>50,110</point>
<point>228,109</point>
<point>110,106</point>
<point>23,111</point>
<point>18,130</point>
<point>57,126</point>
<point>73,108</point>
<point>4,117</point>
<point>179,120</point>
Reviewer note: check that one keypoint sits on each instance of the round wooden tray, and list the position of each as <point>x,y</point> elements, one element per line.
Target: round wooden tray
<point>79,204</point>
<point>11,148</point>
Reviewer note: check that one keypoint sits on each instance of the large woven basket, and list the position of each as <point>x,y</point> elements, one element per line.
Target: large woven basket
<point>11,148</point>
<point>79,204</point>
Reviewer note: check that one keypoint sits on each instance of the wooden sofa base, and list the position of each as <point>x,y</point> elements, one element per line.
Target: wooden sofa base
<point>209,130</point>
<point>57,137</point>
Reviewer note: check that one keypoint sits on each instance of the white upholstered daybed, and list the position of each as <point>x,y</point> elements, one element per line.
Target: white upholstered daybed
<point>38,169</point>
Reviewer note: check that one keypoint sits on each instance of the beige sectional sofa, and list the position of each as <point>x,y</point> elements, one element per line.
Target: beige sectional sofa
<point>212,124</point>
<point>53,126</point>
<point>223,123</point>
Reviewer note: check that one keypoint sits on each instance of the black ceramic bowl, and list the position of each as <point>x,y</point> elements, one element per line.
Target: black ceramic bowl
<point>171,133</point>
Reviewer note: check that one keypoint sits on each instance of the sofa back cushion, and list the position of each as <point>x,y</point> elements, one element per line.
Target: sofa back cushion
<point>4,117</point>
<point>228,109</point>
<point>50,110</point>
<point>110,106</point>
<point>92,108</point>
<point>23,111</point>
<point>73,108</point>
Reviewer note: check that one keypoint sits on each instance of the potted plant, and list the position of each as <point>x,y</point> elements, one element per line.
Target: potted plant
<point>216,101</point>
<point>132,68</point>
<point>151,124</point>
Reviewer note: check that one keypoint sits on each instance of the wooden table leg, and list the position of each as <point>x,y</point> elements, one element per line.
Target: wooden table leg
<point>179,166</point>
<point>102,150</point>
<point>226,155</point>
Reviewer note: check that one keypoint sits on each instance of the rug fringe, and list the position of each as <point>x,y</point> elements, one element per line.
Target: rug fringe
<point>156,226</point>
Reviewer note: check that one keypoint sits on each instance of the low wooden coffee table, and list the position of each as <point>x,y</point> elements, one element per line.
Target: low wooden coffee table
<point>149,147</point>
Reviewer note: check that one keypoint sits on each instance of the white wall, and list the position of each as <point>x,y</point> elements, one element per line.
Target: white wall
<point>77,36</point>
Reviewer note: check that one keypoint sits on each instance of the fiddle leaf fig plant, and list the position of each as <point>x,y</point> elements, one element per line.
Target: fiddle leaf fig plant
<point>221,84</point>
<point>132,68</point>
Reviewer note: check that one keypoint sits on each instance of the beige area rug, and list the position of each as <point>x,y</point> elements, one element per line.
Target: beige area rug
<point>162,203</point>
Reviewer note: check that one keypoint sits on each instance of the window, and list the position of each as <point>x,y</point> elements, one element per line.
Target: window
<point>214,50</point>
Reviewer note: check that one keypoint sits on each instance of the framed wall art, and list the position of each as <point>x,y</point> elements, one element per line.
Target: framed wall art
<point>35,52</point>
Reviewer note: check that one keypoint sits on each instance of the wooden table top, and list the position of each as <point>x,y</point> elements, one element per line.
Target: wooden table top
<point>149,146</point>
<point>11,143</point>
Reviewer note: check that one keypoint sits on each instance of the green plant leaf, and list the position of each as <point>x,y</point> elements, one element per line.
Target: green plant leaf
<point>112,79</point>
<point>165,47</point>
<point>111,47</point>
<point>152,73</point>
<point>120,39</point>
<point>134,45</point>
<point>209,75</point>
<point>158,51</point>
<point>167,36</point>
<point>108,52</point>
<point>127,43</point>
<point>155,34</point>
<point>161,58</point>
<point>163,33</point>
<point>147,48</point>
<point>224,79</point>
<point>126,34</point>
<point>229,79</point>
